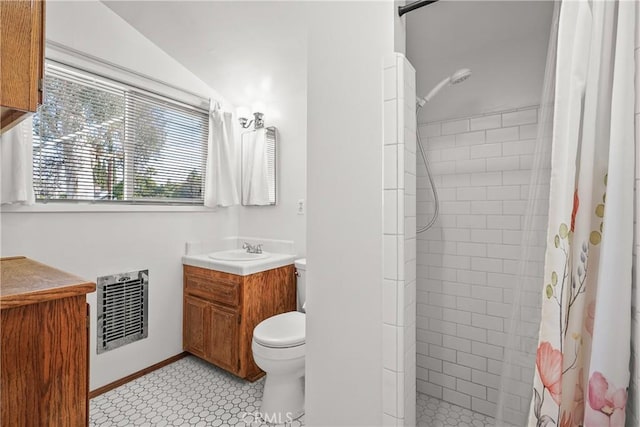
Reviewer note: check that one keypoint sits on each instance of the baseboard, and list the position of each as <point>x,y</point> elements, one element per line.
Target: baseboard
<point>121,381</point>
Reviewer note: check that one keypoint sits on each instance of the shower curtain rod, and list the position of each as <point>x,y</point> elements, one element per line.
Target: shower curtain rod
<point>413,6</point>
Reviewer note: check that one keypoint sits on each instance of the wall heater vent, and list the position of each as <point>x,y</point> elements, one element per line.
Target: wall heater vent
<point>123,301</point>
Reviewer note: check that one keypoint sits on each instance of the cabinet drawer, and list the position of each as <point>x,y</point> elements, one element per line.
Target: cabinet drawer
<point>220,291</point>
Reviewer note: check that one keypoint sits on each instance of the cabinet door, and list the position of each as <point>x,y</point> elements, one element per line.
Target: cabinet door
<point>195,324</point>
<point>223,338</point>
<point>21,54</point>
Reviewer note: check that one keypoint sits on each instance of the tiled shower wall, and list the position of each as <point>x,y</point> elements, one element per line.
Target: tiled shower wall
<point>399,285</point>
<point>467,263</point>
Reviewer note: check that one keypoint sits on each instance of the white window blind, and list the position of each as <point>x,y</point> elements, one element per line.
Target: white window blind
<point>99,140</point>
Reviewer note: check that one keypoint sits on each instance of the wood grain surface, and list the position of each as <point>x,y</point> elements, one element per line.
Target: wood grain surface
<point>25,281</point>
<point>221,310</point>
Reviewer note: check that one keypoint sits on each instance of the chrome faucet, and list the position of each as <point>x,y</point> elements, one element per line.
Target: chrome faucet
<point>251,249</point>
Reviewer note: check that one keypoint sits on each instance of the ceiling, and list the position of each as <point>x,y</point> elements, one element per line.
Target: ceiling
<point>251,52</point>
<point>504,43</point>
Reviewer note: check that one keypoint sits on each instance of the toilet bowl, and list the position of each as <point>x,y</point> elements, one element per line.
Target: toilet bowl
<point>278,347</point>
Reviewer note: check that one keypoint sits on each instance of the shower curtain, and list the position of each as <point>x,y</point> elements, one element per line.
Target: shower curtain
<point>582,358</point>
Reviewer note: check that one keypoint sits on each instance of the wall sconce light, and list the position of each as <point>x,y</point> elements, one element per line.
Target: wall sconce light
<point>258,121</point>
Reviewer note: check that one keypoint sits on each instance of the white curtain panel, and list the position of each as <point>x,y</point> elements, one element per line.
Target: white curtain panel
<point>220,186</point>
<point>582,360</point>
<point>16,164</point>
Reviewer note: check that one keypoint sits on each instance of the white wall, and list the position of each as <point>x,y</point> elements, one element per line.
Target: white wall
<point>282,221</point>
<point>347,44</point>
<point>94,244</point>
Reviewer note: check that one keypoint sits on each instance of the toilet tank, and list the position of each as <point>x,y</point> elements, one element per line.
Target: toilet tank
<point>301,282</point>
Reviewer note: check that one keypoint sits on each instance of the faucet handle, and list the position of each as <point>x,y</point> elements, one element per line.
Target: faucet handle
<point>247,246</point>
<point>258,248</point>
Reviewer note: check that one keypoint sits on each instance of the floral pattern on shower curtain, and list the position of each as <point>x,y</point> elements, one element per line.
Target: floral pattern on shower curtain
<point>582,359</point>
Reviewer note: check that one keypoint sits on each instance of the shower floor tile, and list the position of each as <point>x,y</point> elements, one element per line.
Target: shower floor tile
<point>432,412</point>
<point>187,392</point>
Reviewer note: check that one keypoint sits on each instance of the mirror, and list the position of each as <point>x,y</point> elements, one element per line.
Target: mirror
<point>258,168</point>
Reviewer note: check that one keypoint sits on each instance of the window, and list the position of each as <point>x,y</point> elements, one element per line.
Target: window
<point>99,140</point>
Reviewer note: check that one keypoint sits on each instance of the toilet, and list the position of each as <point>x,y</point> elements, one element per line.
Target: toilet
<point>279,350</point>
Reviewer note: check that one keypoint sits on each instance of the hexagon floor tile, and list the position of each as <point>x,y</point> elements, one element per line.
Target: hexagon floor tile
<point>187,392</point>
<point>432,412</point>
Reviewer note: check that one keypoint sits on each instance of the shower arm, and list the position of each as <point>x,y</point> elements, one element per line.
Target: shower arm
<point>413,6</point>
<point>437,89</point>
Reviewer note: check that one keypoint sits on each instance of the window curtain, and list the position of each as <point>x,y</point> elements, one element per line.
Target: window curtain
<point>582,358</point>
<point>220,187</point>
<point>16,164</point>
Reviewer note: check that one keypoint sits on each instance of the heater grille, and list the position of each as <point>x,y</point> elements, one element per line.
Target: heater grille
<point>123,301</point>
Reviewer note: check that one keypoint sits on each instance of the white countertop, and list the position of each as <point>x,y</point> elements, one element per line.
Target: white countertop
<point>241,268</point>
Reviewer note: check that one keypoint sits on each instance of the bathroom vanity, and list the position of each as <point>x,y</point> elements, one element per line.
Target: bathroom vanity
<point>221,308</point>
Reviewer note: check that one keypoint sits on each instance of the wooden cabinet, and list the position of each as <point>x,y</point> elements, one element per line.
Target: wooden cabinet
<point>22,59</point>
<point>221,310</point>
<point>44,357</point>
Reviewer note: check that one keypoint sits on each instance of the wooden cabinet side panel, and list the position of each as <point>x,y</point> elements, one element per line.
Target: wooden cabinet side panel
<point>44,364</point>
<point>265,294</point>
<point>64,328</point>
<point>20,366</point>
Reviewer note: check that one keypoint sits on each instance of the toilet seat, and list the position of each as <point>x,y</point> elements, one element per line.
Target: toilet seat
<point>282,331</point>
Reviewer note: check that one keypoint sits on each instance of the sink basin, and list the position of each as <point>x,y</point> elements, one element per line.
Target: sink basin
<point>237,255</point>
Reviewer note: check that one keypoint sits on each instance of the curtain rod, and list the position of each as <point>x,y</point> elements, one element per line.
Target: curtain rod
<point>413,6</point>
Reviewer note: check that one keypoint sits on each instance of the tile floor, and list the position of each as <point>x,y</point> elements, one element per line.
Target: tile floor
<point>187,392</point>
<point>193,392</point>
<point>432,412</point>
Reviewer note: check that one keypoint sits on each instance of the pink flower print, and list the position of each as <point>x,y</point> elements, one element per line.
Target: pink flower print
<point>606,404</point>
<point>549,364</point>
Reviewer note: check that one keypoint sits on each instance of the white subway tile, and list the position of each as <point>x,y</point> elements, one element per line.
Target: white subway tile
<point>471,193</point>
<point>486,264</point>
<point>390,122</point>
<point>455,153</point>
<point>445,354</point>
<point>486,350</point>
<point>456,343</point>
<point>514,207</point>
<point>514,148</point>
<point>441,168</point>
<point>471,304</point>
<point>485,378</point>
<point>521,117</point>
<point>455,127</point>
<point>503,163</point>
<point>389,346</point>
<point>486,178</point>
<point>391,211</point>
<point>487,236</point>
<point>471,333</point>
<point>487,322</point>
<point>483,407</point>
<point>456,235</point>
<point>429,363</point>
<point>390,83</point>
<point>390,265</point>
<point>471,166</point>
<point>503,222</point>
<point>457,371</point>
<point>503,134</point>
<point>483,151</point>
<point>389,302</point>
<point>492,207</point>
<point>516,177</point>
<point>486,122</point>
<point>470,138</point>
<point>389,387</point>
<point>471,221</point>
<point>506,192</point>
<point>472,249</point>
<point>390,166</point>
<point>529,131</point>
<point>472,277</point>
<point>472,389</point>
<point>430,130</point>
<point>439,142</point>
<point>456,398</point>
<point>429,389</point>
<point>471,360</point>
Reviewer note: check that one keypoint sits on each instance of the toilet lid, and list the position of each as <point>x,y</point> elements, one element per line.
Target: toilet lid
<point>283,330</point>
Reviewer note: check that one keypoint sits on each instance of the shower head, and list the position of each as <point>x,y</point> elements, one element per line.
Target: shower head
<point>457,77</point>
